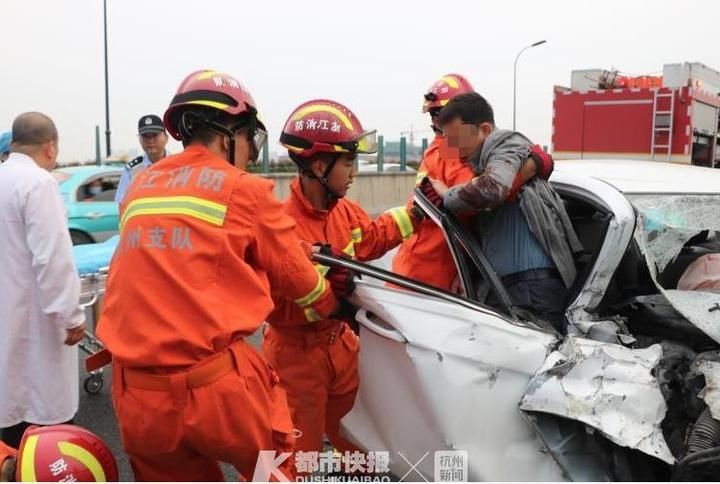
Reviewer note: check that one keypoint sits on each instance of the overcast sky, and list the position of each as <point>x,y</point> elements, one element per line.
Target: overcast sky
<point>378,57</point>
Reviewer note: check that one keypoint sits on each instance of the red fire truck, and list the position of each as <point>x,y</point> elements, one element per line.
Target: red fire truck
<point>674,117</point>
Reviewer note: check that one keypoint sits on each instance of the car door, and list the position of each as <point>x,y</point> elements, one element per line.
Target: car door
<point>98,214</point>
<point>441,372</point>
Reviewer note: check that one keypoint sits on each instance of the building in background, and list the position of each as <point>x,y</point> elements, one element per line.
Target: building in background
<point>673,117</point>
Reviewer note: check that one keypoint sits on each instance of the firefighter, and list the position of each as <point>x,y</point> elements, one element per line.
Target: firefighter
<point>316,356</point>
<point>425,256</point>
<point>58,453</point>
<point>202,242</point>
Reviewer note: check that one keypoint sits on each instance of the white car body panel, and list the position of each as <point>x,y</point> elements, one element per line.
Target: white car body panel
<point>479,366</point>
<point>438,376</point>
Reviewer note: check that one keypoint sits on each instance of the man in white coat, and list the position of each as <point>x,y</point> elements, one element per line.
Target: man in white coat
<point>40,318</point>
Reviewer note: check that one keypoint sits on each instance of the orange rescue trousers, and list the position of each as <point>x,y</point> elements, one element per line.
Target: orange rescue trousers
<point>177,426</point>
<point>318,368</point>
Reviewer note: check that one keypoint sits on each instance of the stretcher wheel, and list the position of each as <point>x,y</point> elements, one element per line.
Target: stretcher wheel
<point>93,384</point>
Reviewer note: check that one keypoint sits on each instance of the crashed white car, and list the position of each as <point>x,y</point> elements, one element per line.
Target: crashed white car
<point>630,394</point>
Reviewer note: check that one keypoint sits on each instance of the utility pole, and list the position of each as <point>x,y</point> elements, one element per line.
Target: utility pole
<point>540,42</point>
<point>107,86</point>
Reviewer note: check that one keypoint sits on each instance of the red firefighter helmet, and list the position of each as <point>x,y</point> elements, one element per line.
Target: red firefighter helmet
<point>444,90</point>
<point>210,89</point>
<point>64,453</point>
<point>324,126</point>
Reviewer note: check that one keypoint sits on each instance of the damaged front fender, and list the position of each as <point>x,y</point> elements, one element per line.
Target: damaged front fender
<point>608,387</point>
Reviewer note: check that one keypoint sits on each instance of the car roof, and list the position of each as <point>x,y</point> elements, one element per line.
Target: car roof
<point>638,177</point>
<point>88,170</point>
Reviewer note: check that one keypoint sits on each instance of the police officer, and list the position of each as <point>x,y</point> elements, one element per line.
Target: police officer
<point>153,139</point>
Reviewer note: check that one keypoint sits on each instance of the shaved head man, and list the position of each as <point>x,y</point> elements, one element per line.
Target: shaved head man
<point>35,135</point>
<point>40,318</point>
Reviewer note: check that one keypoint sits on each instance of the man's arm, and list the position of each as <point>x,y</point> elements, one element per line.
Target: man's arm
<point>49,242</point>
<point>487,191</point>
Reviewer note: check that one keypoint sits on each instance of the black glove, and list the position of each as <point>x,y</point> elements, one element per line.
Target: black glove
<point>416,215</point>
<point>341,279</point>
<point>429,192</point>
<point>347,313</point>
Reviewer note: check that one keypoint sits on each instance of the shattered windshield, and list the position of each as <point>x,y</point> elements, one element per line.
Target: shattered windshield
<point>678,235</point>
<point>666,223</point>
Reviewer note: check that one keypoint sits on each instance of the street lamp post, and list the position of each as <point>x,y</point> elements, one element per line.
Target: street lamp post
<point>107,91</point>
<point>540,42</point>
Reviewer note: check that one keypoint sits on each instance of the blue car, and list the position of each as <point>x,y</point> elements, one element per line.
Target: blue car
<point>89,195</point>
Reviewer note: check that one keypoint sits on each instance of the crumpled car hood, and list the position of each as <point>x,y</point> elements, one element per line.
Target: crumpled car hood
<point>606,386</point>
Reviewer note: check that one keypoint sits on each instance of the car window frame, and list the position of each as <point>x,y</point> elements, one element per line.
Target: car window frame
<point>91,179</point>
<point>617,237</point>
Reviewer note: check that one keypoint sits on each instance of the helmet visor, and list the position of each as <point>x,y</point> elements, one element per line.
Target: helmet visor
<point>367,142</point>
<point>260,139</point>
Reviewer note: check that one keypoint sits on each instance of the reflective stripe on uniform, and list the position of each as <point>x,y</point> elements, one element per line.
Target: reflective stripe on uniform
<point>311,315</point>
<point>419,177</point>
<point>356,235</point>
<point>199,208</point>
<point>313,295</point>
<point>349,250</point>
<point>402,220</point>
<point>323,270</point>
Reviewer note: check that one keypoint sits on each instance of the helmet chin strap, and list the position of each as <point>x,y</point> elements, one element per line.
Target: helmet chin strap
<point>188,125</point>
<point>254,152</point>
<point>223,131</point>
<point>323,179</point>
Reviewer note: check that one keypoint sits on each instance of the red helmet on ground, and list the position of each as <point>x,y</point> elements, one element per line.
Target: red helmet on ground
<point>444,90</point>
<point>64,453</point>
<point>324,126</point>
<point>214,90</point>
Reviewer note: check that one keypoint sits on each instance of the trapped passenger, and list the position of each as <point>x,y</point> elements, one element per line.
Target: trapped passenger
<point>528,239</point>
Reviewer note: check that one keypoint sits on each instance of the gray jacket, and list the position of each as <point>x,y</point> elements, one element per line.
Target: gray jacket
<point>502,155</point>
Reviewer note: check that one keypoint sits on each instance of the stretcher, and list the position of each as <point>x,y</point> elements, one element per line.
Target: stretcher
<point>91,292</point>
<point>92,262</point>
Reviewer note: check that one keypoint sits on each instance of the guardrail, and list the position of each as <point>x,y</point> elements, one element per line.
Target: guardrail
<point>401,154</point>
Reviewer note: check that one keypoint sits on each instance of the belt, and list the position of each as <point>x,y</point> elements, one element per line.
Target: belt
<point>199,375</point>
<point>530,275</point>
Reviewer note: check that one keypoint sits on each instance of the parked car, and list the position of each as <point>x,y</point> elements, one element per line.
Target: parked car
<point>631,393</point>
<point>89,195</point>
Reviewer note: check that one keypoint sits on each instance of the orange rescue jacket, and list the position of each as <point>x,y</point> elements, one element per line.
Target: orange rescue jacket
<point>201,244</point>
<point>425,256</point>
<point>346,227</point>
<point>6,452</point>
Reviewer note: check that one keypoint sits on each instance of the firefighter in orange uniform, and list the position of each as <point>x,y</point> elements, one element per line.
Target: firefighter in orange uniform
<point>425,256</point>
<point>202,242</point>
<point>315,356</point>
